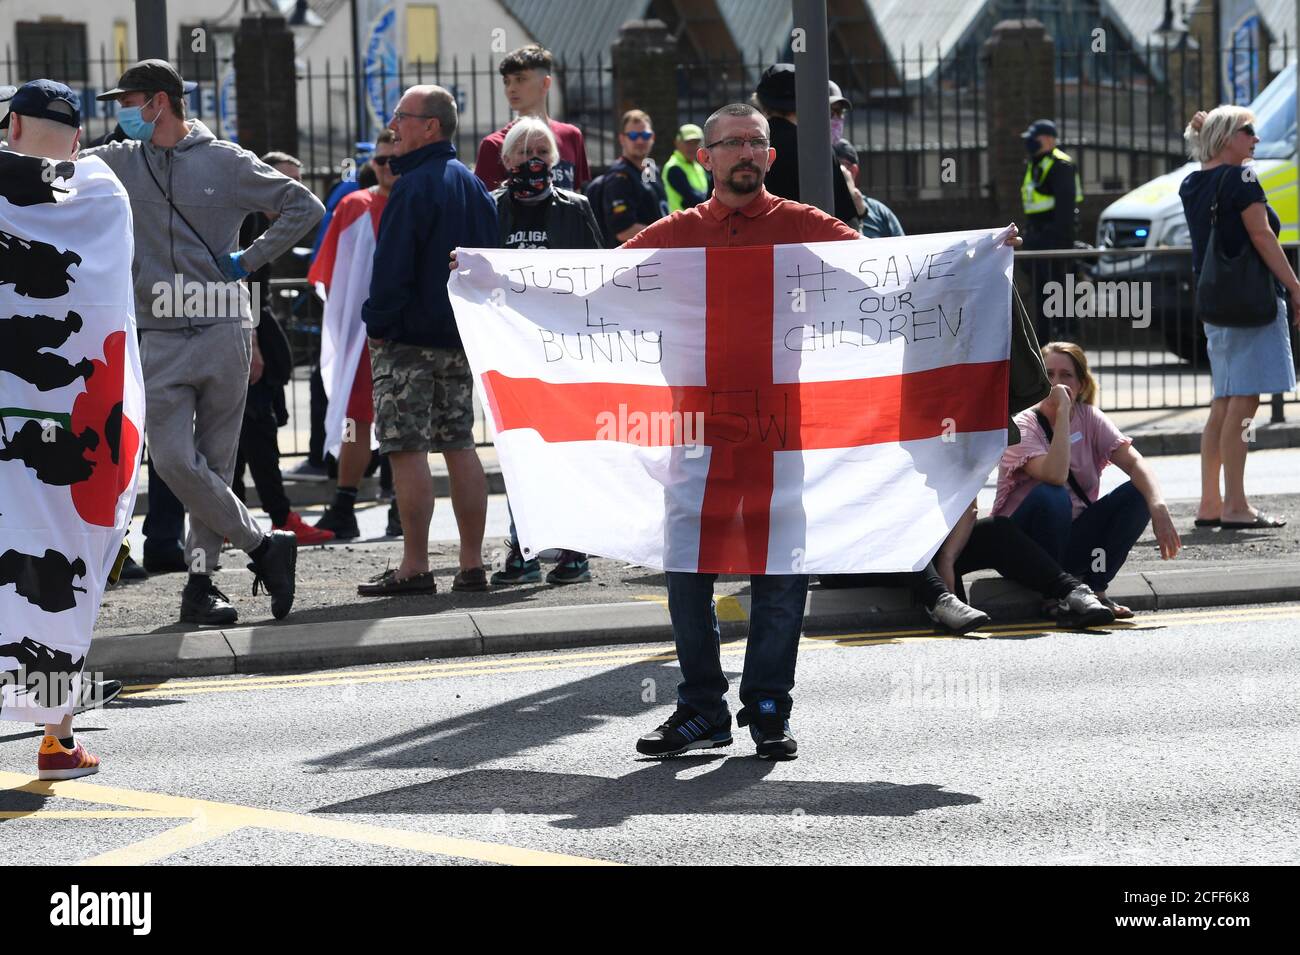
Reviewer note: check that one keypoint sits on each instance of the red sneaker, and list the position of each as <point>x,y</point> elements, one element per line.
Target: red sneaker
<point>306,534</point>
<point>55,762</point>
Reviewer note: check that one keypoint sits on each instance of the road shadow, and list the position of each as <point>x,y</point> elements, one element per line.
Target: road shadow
<point>737,786</point>
<point>584,705</point>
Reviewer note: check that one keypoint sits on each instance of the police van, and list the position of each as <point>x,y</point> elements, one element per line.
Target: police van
<point>1152,216</point>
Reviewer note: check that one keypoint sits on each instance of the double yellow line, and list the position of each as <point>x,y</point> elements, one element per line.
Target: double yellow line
<point>664,653</point>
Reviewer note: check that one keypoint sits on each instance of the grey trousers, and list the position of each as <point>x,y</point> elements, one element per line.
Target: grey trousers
<point>196,383</point>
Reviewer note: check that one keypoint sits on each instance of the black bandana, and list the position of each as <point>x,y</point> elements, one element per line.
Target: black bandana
<point>531,181</point>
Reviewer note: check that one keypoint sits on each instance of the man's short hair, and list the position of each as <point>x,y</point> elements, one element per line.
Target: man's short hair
<point>387,136</point>
<point>276,158</point>
<point>442,107</point>
<point>177,104</point>
<point>731,109</point>
<point>439,105</point>
<point>530,57</point>
<point>632,116</point>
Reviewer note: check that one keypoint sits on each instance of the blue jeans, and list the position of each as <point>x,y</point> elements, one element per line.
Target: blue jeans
<point>1112,525</point>
<point>775,623</point>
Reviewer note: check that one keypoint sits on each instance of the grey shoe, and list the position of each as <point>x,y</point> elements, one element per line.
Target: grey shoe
<point>1082,608</point>
<point>951,614</point>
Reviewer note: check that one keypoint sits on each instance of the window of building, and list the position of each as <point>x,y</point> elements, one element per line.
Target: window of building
<point>51,49</point>
<point>421,33</point>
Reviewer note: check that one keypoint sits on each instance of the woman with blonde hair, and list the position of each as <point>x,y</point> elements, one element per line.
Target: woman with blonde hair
<point>1049,483</point>
<point>1245,360</point>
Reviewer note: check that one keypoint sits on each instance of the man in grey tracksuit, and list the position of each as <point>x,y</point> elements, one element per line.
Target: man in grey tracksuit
<point>190,192</point>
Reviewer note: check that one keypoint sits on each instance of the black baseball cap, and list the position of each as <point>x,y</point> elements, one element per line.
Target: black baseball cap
<point>1040,127</point>
<point>775,88</point>
<point>149,76</point>
<point>45,99</point>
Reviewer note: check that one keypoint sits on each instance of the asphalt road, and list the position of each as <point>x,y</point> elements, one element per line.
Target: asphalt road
<point>1174,741</point>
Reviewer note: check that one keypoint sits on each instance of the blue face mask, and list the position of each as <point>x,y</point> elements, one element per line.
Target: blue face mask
<point>134,125</point>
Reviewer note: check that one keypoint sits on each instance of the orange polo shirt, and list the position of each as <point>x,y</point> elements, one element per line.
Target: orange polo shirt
<point>764,220</point>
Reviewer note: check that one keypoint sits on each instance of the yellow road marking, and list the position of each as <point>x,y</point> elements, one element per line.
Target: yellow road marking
<point>663,652</point>
<point>230,816</point>
<point>83,814</point>
<point>475,663</point>
<point>193,833</point>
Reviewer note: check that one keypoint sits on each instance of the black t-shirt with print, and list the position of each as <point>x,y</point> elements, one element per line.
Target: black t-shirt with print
<point>529,228</point>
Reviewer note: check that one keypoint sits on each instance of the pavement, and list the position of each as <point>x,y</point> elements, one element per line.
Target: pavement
<point>332,627</point>
<point>1173,739</point>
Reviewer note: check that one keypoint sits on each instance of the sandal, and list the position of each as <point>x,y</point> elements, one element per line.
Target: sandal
<point>388,584</point>
<point>1207,522</point>
<point>1261,520</point>
<point>472,580</point>
<point>1121,612</point>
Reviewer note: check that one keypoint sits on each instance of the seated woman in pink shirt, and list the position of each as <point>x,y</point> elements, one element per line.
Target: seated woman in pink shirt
<point>1049,483</point>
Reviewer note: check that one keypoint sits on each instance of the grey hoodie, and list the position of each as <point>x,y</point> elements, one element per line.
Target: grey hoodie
<point>215,184</point>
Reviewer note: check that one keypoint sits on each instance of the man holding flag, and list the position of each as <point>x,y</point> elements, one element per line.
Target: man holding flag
<point>71,412</point>
<point>739,391</point>
<point>738,153</point>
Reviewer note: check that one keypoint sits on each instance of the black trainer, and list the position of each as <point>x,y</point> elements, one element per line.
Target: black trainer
<point>204,604</point>
<point>342,522</point>
<point>275,571</point>
<point>684,730</point>
<point>770,731</point>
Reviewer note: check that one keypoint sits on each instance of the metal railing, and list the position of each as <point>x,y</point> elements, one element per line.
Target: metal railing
<point>1145,344</point>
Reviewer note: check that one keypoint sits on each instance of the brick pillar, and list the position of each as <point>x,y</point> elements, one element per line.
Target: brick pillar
<point>644,56</point>
<point>1019,87</point>
<point>266,90</point>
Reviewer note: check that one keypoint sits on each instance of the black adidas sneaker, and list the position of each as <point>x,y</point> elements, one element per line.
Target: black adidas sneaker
<point>684,730</point>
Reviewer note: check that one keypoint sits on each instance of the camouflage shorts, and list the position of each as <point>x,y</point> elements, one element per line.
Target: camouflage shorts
<point>424,398</point>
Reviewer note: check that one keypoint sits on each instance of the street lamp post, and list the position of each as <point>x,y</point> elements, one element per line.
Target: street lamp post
<point>151,29</point>
<point>811,76</point>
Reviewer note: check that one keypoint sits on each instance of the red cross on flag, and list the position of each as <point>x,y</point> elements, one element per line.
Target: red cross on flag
<point>830,407</point>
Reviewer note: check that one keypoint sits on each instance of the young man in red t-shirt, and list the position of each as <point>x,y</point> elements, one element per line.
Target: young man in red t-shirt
<point>526,75</point>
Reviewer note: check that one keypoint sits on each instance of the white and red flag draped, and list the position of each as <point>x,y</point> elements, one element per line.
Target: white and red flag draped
<point>343,267</point>
<point>71,419</point>
<point>829,407</point>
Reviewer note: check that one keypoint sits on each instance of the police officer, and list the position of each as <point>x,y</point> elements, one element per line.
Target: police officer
<point>1051,193</point>
<point>685,181</point>
<point>634,196</point>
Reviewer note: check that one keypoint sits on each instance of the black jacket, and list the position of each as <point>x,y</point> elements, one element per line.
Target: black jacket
<point>569,220</point>
<point>783,178</point>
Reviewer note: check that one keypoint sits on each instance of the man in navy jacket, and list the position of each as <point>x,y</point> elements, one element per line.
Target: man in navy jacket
<point>423,386</point>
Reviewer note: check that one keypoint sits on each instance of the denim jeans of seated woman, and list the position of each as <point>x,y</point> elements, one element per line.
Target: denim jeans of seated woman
<point>1112,525</point>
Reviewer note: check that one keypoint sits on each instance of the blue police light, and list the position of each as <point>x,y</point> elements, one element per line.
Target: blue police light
<point>1140,233</point>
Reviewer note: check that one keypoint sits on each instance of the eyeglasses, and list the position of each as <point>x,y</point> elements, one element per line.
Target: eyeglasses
<point>398,116</point>
<point>758,143</point>
<point>380,160</point>
<point>640,135</point>
<point>1248,129</point>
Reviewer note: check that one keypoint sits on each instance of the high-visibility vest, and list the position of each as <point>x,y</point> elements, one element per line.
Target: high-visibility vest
<point>1036,201</point>
<point>695,175</point>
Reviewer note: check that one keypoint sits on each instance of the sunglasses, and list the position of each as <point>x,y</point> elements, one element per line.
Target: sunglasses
<point>640,134</point>
<point>380,160</point>
<point>1248,129</point>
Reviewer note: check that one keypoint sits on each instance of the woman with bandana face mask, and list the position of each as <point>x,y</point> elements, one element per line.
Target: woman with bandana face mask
<point>534,213</point>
